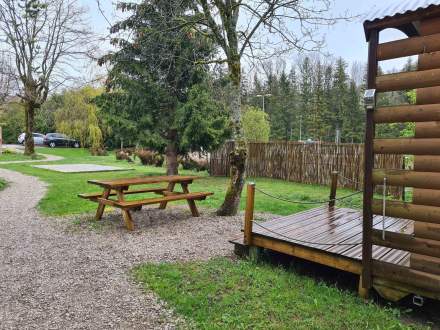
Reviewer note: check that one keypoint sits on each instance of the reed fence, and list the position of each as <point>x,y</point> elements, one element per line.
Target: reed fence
<point>305,162</point>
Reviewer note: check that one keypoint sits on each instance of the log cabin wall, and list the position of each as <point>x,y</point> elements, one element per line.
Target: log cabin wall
<point>431,197</point>
<point>422,27</point>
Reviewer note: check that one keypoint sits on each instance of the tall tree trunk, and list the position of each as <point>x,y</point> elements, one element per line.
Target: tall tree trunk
<point>172,163</point>
<point>239,154</point>
<point>29,148</point>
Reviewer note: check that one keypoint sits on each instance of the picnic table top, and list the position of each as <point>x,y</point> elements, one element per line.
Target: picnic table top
<point>143,180</point>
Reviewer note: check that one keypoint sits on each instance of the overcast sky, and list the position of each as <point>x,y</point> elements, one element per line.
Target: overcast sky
<point>345,39</point>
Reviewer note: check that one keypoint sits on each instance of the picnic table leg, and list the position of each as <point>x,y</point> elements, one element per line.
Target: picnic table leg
<point>191,202</point>
<point>170,188</point>
<point>101,206</point>
<point>125,213</point>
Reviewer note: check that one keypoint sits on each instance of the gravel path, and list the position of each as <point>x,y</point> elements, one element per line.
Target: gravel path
<point>71,274</point>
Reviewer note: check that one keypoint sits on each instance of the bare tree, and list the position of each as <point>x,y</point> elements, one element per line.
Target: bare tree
<point>255,29</point>
<point>7,81</point>
<point>47,39</point>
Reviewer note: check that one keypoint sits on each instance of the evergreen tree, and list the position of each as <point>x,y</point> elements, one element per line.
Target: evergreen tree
<point>352,126</point>
<point>306,74</point>
<point>340,93</point>
<point>154,75</point>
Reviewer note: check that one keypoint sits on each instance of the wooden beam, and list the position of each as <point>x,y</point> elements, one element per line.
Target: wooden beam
<point>406,287</point>
<point>427,130</point>
<point>314,255</point>
<point>425,264</point>
<point>407,113</point>
<point>396,209</point>
<point>398,21</point>
<point>249,213</point>
<point>428,197</point>
<point>406,275</point>
<point>428,95</point>
<point>407,146</point>
<point>367,223</point>
<point>407,178</point>
<point>408,47</point>
<point>407,242</point>
<point>429,61</point>
<point>333,188</point>
<point>427,230</point>
<point>427,163</point>
<point>408,80</point>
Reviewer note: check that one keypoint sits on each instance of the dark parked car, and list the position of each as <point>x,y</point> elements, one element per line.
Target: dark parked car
<point>60,140</point>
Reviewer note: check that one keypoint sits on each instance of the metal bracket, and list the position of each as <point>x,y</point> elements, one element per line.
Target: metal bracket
<point>418,300</point>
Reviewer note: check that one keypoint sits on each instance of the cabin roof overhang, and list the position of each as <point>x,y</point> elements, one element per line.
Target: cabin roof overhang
<point>404,17</point>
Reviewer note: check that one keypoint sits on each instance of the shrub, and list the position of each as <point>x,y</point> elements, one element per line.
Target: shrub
<point>123,154</point>
<point>9,151</point>
<point>159,159</point>
<point>189,163</point>
<point>256,126</point>
<point>99,151</point>
<point>146,156</point>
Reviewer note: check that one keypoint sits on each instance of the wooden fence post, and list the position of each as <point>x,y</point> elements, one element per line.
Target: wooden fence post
<point>333,188</point>
<point>249,213</point>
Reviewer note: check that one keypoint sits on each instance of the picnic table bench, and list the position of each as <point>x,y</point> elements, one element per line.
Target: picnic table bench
<point>120,188</point>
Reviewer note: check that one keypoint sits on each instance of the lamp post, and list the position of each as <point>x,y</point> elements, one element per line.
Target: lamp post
<point>263,96</point>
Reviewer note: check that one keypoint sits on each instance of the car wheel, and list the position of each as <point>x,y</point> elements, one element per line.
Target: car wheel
<point>76,145</point>
<point>52,145</point>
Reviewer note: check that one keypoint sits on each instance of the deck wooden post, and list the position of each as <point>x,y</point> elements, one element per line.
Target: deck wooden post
<point>367,226</point>
<point>249,213</point>
<point>333,188</point>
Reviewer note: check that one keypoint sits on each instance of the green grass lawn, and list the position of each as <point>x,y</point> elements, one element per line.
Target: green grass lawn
<point>227,294</point>
<point>7,157</point>
<point>62,199</point>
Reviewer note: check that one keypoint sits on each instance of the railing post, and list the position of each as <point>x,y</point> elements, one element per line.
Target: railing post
<point>249,213</point>
<point>333,188</point>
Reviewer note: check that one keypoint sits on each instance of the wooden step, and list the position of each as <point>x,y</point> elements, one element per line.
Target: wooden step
<point>158,200</point>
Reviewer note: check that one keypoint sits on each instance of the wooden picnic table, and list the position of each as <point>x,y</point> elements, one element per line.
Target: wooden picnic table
<point>121,187</point>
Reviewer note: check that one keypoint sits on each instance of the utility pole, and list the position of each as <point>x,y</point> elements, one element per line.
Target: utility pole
<point>263,96</point>
<point>338,136</point>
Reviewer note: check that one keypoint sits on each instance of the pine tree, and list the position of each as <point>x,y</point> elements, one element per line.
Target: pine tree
<point>306,73</point>
<point>316,121</point>
<point>352,125</point>
<point>340,93</point>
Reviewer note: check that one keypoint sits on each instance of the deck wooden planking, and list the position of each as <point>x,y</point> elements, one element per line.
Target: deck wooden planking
<point>312,231</point>
<point>334,228</point>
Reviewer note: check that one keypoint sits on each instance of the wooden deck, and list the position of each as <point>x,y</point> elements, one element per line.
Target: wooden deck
<point>331,232</point>
<point>336,229</point>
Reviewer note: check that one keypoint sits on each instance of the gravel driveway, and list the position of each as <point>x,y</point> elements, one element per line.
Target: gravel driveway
<point>65,274</point>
